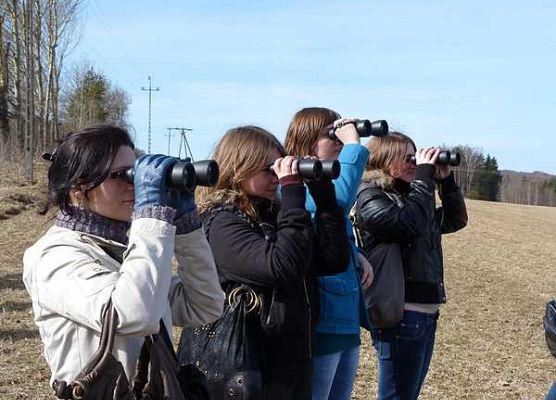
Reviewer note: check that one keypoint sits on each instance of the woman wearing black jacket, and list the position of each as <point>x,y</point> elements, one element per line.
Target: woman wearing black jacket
<point>396,203</point>
<point>268,245</point>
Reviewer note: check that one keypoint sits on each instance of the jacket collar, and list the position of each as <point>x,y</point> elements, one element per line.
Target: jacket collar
<point>86,221</point>
<point>378,178</point>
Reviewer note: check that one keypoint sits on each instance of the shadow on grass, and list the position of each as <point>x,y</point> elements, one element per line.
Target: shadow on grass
<point>10,306</point>
<point>15,335</point>
<point>11,281</point>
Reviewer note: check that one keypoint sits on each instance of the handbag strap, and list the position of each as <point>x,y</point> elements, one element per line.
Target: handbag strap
<point>167,339</point>
<point>79,385</point>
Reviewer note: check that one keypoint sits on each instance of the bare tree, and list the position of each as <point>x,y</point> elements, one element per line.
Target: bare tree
<point>61,23</point>
<point>471,160</point>
<point>14,9</point>
<point>118,102</point>
<point>53,35</point>
<point>4,89</point>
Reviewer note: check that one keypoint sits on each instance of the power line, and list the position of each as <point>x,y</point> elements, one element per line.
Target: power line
<point>101,17</point>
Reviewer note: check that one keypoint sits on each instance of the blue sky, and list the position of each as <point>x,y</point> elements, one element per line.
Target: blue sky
<point>479,73</point>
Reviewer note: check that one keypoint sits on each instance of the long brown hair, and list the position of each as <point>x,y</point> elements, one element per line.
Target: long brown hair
<point>240,153</point>
<point>388,151</point>
<point>306,127</point>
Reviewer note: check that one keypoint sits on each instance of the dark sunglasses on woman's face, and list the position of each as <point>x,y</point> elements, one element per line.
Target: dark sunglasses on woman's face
<point>268,168</point>
<point>121,174</point>
<point>410,159</point>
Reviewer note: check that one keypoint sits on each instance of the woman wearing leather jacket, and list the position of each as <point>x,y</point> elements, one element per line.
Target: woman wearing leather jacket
<point>272,245</point>
<point>396,203</point>
<point>113,243</point>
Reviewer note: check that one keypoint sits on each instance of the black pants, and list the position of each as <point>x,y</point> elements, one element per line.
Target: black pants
<point>293,383</point>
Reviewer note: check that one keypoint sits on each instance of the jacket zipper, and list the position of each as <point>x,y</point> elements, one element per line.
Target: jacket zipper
<point>309,319</point>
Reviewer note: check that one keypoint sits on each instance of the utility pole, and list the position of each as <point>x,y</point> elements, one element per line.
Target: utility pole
<point>30,108</point>
<point>150,90</point>
<point>183,141</point>
<point>169,134</point>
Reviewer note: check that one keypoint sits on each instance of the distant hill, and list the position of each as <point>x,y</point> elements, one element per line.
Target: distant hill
<point>532,188</point>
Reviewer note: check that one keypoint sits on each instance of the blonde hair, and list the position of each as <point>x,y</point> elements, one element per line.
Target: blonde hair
<point>387,152</point>
<point>306,127</point>
<point>242,152</point>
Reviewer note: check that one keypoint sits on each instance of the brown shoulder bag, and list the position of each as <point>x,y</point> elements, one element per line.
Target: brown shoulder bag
<point>103,378</point>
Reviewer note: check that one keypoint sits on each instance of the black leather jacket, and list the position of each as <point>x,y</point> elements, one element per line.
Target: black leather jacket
<point>387,214</point>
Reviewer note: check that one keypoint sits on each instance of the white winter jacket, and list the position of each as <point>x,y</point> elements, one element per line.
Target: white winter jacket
<point>71,279</point>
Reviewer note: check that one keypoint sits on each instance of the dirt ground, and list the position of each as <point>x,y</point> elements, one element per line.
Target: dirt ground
<point>500,271</point>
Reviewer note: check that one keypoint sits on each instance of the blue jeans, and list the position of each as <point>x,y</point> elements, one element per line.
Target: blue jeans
<point>552,393</point>
<point>404,355</point>
<point>334,374</point>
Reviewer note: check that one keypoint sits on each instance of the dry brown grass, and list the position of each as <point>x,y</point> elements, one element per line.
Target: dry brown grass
<point>500,271</point>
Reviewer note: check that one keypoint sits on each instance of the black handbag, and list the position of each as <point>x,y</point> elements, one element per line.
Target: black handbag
<point>272,310</point>
<point>549,323</point>
<point>230,351</point>
<point>385,298</point>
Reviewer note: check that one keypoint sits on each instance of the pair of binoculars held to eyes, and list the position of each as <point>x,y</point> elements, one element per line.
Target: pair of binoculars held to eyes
<point>315,170</point>
<point>187,175</point>
<point>365,128</point>
<point>445,158</point>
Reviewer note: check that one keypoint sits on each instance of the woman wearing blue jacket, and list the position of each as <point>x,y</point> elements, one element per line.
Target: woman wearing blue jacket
<point>336,345</point>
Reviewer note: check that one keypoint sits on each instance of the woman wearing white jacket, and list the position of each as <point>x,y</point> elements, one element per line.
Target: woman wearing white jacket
<point>115,241</point>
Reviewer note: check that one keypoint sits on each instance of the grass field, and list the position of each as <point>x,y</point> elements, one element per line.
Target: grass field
<point>500,271</point>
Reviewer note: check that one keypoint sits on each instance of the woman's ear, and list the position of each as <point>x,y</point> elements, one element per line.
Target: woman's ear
<point>394,172</point>
<point>314,150</point>
<point>77,197</point>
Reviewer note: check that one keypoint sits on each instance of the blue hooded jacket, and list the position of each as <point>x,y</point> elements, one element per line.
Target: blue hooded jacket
<point>342,310</point>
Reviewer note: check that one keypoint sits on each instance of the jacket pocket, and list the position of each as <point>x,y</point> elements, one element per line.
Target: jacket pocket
<point>339,300</point>
<point>93,278</point>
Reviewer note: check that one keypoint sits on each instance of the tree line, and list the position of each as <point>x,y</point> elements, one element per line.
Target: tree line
<point>479,178</point>
<point>37,88</point>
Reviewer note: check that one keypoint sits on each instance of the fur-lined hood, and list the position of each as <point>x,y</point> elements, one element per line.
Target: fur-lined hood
<point>378,178</point>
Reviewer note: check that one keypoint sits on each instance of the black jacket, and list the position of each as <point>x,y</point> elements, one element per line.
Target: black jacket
<point>410,218</point>
<point>283,250</point>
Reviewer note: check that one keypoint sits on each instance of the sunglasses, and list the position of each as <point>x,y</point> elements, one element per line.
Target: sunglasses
<point>410,159</point>
<point>121,174</point>
<point>268,168</point>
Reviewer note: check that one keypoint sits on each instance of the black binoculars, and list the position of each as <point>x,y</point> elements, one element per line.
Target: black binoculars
<point>365,128</point>
<point>314,170</point>
<point>445,158</point>
<point>186,175</point>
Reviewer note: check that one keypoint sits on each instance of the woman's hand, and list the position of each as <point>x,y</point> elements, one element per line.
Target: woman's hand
<point>442,172</point>
<point>287,167</point>
<point>346,132</point>
<point>183,201</point>
<point>367,274</point>
<point>150,180</point>
<point>427,156</point>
